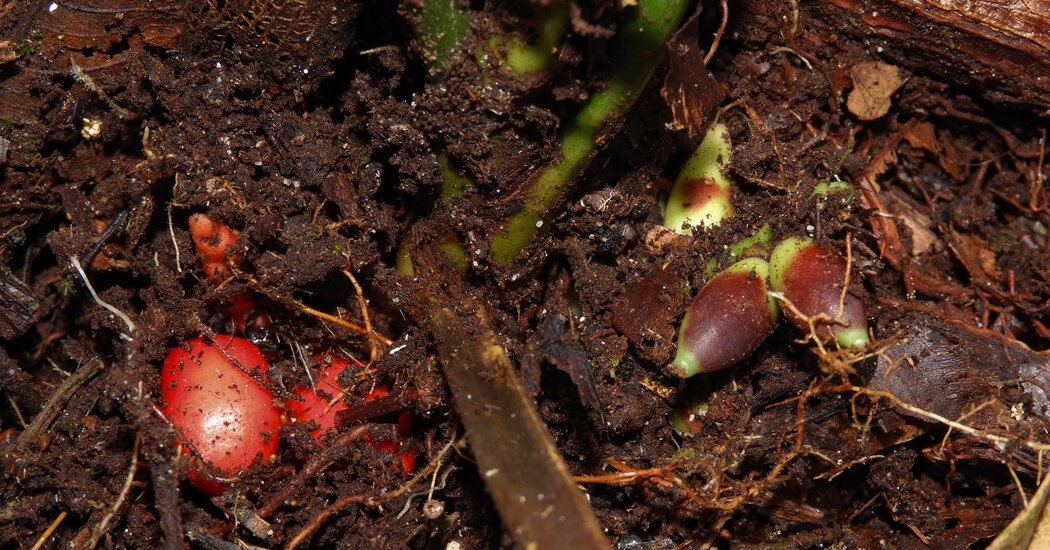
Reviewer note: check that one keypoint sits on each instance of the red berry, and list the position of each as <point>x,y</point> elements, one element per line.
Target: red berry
<point>215,243</point>
<point>226,416</point>
<point>316,408</point>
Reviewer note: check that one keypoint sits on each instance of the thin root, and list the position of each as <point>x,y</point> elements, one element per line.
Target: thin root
<point>109,307</point>
<point>372,336</point>
<point>342,322</point>
<point>367,499</point>
<point>50,529</point>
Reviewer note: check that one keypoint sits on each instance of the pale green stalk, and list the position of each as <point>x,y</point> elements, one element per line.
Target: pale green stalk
<point>638,49</point>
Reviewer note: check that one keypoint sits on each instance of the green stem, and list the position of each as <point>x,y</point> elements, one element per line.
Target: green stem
<point>637,51</point>
<point>453,183</point>
<point>522,58</point>
<point>442,25</point>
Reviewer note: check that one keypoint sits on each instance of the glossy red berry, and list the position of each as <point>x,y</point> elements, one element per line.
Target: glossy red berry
<point>321,403</point>
<point>221,412</point>
<point>324,401</point>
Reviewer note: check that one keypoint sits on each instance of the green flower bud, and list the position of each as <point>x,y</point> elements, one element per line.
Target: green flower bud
<point>701,193</point>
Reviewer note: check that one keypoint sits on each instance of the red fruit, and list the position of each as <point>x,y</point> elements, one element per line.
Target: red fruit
<point>215,242</point>
<point>408,462</point>
<point>226,416</point>
<point>314,407</point>
<point>323,410</point>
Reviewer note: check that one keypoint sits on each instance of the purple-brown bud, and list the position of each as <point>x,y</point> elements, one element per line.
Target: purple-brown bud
<point>811,278</point>
<point>727,320</point>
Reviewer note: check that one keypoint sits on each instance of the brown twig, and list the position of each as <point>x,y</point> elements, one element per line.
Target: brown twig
<point>882,220</point>
<point>166,499</point>
<point>50,529</point>
<point>318,462</point>
<point>332,509</point>
<point>1035,189</point>
<point>57,401</point>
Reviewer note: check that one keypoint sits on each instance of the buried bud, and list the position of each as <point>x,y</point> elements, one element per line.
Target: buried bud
<point>727,320</point>
<point>811,278</point>
<point>685,418</point>
<point>701,193</point>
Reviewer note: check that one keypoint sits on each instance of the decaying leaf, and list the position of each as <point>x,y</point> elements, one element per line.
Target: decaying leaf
<point>923,136</point>
<point>19,305</point>
<point>949,369</point>
<point>917,222</point>
<point>8,53</point>
<point>645,311</point>
<point>874,82</point>
<point>975,256</point>
<point>689,89</point>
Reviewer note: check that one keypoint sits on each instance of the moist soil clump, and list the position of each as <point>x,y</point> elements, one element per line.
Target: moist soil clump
<point>366,175</point>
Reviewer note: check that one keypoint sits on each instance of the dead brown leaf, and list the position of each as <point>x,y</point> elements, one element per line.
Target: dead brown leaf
<point>874,82</point>
<point>923,136</point>
<point>689,89</point>
<point>917,222</point>
<point>975,256</point>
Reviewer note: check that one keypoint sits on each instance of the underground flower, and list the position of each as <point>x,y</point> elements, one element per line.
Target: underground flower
<point>811,278</point>
<point>701,196</point>
<point>727,320</point>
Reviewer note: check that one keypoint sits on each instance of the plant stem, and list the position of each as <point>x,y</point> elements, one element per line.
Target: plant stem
<point>442,25</point>
<point>637,51</point>
<point>523,58</point>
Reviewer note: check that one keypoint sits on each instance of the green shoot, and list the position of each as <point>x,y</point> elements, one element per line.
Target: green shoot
<point>637,50</point>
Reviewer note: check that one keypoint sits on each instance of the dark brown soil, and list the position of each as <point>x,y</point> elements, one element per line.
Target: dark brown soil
<point>313,128</point>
